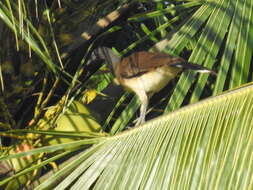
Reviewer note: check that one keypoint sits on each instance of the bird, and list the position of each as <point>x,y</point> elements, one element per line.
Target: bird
<point>145,73</point>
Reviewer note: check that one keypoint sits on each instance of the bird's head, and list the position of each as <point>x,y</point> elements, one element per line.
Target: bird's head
<point>107,55</point>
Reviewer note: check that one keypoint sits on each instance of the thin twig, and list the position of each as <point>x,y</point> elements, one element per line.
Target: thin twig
<point>44,103</point>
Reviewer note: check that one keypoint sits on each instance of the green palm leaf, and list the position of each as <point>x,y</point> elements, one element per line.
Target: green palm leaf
<point>206,145</point>
<point>214,19</point>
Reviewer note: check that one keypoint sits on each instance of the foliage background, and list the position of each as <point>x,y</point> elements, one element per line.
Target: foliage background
<point>44,67</point>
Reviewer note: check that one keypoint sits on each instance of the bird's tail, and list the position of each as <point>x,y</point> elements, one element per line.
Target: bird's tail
<point>192,66</point>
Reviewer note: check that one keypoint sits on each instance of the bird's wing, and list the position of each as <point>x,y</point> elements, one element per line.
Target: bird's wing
<point>142,62</point>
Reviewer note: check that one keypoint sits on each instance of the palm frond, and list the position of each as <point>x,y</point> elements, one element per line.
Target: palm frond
<point>202,146</point>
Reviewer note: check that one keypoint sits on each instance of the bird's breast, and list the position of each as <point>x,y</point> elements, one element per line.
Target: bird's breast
<point>152,81</point>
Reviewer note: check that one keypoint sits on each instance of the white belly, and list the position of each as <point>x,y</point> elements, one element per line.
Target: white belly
<point>150,82</point>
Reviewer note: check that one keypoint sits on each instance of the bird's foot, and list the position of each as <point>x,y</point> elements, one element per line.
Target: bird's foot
<point>140,121</point>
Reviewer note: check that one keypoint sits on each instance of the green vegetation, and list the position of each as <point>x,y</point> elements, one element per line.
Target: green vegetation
<point>65,125</point>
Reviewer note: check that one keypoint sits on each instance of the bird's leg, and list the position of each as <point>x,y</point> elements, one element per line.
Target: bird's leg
<point>144,104</point>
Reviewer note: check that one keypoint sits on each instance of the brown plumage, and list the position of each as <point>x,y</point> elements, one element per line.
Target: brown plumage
<point>142,62</point>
